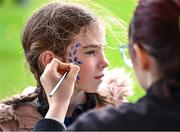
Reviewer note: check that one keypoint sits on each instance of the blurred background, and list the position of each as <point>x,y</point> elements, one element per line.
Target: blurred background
<point>14,72</point>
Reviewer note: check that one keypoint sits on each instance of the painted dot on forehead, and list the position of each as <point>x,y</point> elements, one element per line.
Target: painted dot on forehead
<point>77,45</point>
<point>75,59</point>
<point>78,78</point>
<point>70,60</point>
<point>74,51</point>
<point>70,54</point>
<point>79,62</point>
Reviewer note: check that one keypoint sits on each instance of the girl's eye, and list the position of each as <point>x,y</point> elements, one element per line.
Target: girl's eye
<point>90,52</point>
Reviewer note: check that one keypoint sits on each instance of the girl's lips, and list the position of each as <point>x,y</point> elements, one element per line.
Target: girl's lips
<point>99,77</point>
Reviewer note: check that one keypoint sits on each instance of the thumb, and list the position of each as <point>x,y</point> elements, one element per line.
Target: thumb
<point>74,70</point>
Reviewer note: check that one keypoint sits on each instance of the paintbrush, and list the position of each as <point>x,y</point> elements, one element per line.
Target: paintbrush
<point>58,84</point>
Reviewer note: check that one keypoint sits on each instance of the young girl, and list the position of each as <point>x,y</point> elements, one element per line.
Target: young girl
<point>68,33</point>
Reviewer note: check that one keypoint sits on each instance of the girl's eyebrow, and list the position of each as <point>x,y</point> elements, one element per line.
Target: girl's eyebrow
<point>92,46</point>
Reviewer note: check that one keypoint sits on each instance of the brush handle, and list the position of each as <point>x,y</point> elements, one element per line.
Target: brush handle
<point>58,84</point>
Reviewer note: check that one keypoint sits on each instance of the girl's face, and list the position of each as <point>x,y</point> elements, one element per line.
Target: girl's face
<point>87,51</point>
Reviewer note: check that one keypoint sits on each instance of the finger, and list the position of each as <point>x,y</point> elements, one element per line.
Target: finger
<point>57,66</point>
<point>74,70</point>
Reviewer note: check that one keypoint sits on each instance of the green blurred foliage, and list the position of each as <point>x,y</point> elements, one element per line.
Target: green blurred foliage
<point>14,72</point>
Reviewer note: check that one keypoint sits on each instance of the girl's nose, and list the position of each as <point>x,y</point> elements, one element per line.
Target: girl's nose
<point>103,62</point>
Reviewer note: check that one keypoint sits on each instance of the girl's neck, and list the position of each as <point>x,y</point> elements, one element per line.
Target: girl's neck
<point>78,97</point>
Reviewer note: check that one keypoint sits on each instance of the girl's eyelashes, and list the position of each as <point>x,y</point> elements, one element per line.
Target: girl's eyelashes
<point>91,52</point>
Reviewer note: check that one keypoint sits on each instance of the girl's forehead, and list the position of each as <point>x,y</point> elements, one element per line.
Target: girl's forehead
<point>91,41</point>
<point>91,36</point>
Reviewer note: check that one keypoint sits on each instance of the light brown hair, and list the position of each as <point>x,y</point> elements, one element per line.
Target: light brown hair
<point>53,27</point>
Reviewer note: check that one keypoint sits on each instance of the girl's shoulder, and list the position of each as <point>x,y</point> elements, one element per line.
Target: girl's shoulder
<point>9,112</point>
<point>23,117</point>
<point>18,115</point>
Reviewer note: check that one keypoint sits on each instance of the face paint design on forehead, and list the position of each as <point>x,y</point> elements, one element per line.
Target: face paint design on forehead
<point>73,57</point>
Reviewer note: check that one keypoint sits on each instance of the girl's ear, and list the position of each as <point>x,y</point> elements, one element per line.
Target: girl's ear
<point>142,57</point>
<point>46,57</point>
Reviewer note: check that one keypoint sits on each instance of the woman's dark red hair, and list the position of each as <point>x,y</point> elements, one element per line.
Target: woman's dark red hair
<point>156,27</point>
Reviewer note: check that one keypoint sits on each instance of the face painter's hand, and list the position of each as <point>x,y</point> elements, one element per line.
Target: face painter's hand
<point>59,102</point>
